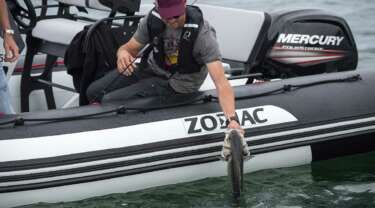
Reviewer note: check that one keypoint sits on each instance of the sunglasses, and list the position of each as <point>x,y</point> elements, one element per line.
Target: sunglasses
<point>174,17</point>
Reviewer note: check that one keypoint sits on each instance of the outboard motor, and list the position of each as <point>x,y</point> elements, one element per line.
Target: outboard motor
<point>305,42</point>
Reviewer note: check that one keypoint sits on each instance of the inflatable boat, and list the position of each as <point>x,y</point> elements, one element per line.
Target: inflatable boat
<point>311,104</point>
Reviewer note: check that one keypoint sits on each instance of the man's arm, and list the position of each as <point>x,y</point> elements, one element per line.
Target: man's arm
<point>224,90</point>
<point>10,46</point>
<point>126,55</point>
<point>4,21</point>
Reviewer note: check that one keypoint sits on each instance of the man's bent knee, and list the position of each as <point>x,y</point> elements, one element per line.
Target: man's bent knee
<point>94,93</point>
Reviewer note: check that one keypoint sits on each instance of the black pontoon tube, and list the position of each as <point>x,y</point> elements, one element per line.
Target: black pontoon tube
<point>121,109</point>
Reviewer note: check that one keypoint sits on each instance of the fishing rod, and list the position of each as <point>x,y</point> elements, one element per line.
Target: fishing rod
<point>105,88</point>
<point>194,2</point>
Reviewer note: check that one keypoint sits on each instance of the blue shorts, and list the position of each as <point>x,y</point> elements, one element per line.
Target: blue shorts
<point>5,100</point>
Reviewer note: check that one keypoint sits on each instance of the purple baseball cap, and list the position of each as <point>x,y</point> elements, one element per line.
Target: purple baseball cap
<point>170,8</point>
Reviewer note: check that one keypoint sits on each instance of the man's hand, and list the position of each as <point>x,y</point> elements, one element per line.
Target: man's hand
<point>126,55</point>
<point>125,62</point>
<point>234,125</point>
<point>11,48</point>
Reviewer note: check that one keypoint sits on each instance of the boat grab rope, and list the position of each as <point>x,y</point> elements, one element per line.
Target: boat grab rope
<point>292,87</point>
<point>122,109</point>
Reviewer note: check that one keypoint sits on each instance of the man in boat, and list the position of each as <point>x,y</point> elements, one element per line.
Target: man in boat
<point>11,54</point>
<point>184,50</point>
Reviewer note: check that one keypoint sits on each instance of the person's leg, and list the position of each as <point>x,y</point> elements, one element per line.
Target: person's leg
<point>154,86</point>
<point>111,82</point>
<point>5,99</point>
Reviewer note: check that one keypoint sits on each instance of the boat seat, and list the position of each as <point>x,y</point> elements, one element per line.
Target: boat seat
<point>68,28</point>
<point>92,4</point>
<point>46,29</point>
<point>62,34</point>
<point>239,34</point>
<point>52,36</point>
<point>237,30</point>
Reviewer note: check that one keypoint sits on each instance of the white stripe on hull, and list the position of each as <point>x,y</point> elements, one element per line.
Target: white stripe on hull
<point>92,173</point>
<point>320,136</point>
<point>315,128</point>
<point>107,161</point>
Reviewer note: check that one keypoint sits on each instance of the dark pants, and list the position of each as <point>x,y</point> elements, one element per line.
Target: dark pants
<point>120,87</point>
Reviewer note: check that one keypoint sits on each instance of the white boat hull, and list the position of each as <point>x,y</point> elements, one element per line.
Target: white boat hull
<point>277,159</point>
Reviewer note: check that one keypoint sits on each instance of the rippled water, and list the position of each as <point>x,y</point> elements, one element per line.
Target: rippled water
<point>344,182</point>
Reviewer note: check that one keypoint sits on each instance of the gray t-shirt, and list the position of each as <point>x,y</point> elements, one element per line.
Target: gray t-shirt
<point>206,50</point>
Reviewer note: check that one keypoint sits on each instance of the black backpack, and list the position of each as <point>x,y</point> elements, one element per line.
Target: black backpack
<point>124,6</point>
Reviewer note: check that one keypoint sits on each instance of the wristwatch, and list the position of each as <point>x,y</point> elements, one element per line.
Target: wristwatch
<point>9,31</point>
<point>232,118</point>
